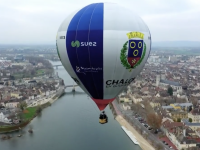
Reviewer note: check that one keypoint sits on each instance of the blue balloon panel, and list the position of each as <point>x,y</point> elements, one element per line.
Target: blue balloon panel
<point>84,42</point>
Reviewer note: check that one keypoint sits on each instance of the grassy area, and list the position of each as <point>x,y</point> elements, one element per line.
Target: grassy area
<point>40,71</point>
<point>18,75</point>
<point>10,128</point>
<point>29,113</point>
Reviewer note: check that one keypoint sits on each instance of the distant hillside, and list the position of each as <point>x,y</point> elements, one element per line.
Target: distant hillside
<point>176,44</point>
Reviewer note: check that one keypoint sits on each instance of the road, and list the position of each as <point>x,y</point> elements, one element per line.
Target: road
<point>128,114</point>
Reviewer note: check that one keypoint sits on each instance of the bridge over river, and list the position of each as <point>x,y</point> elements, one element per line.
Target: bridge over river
<point>56,66</point>
<point>73,87</point>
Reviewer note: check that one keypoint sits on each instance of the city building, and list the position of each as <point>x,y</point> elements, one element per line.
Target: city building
<point>194,115</point>
<point>161,81</point>
<point>4,119</point>
<point>19,58</point>
<point>177,115</point>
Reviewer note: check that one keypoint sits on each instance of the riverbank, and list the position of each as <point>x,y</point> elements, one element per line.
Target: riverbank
<point>60,92</point>
<point>143,142</point>
<point>13,128</point>
<point>10,129</point>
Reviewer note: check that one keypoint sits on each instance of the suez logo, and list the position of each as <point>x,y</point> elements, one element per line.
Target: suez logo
<point>118,83</point>
<point>78,44</point>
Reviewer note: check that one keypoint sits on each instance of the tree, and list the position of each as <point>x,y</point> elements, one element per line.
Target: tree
<point>136,107</point>
<point>22,105</point>
<point>12,77</point>
<point>190,119</point>
<point>179,120</point>
<point>39,109</point>
<point>154,120</point>
<point>33,72</point>
<point>148,107</point>
<point>20,116</point>
<point>170,90</point>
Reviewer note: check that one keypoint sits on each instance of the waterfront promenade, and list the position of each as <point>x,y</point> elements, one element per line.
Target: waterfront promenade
<point>143,142</point>
<point>51,98</point>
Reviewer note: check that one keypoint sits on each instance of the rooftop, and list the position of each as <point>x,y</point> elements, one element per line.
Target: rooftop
<point>167,107</point>
<point>187,123</point>
<point>183,104</point>
<point>195,111</point>
<point>170,82</point>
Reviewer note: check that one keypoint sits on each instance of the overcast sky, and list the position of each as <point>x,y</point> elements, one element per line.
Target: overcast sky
<point>37,21</point>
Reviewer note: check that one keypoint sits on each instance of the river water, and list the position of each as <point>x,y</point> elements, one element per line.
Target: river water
<point>71,123</point>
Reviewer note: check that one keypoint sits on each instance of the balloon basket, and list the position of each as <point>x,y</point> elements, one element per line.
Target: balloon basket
<point>103,118</point>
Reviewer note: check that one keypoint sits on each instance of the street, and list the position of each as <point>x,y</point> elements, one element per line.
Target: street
<point>128,115</point>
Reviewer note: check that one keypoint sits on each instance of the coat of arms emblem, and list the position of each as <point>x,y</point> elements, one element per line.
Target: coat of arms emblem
<point>136,50</point>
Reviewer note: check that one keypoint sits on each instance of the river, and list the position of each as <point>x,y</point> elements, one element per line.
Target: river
<point>71,123</point>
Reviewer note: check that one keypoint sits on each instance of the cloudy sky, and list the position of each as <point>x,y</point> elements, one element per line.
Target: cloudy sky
<point>37,21</point>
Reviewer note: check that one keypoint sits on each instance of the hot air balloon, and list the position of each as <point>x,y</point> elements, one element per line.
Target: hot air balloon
<point>103,47</point>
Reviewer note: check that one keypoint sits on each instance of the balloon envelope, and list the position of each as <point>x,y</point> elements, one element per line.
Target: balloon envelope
<point>103,47</point>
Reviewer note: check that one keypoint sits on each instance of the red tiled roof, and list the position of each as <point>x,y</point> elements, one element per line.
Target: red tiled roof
<point>169,125</point>
<point>168,142</point>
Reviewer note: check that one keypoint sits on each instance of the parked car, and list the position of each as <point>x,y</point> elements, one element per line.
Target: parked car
<point>150,128</point>
<point>143,121</point>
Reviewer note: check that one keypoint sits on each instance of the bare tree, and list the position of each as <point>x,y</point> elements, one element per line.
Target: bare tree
<point>159,147</point>
<point>154,120</point>
<point>136,107</point>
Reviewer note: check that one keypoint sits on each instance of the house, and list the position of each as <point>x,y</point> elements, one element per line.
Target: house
<point>193,126</point>
<point>126,106</point>
<point>136,98</point>
<point>40,65</point>
<point>161,81</point>
<point>155,103</point>
<point>125,98</point>
<point>184,106</point>
<point>162,112</point>
<point>179,106</point>
<point>180,135</point>
<point>16,121</point>
<point>12,103</point>
<point>194,115</point>
<point>4,119</point>
<point>15,94</point>
<point>186,138</point>
<point>169,125</point>
<point>19,58</point>
<point>157,95</point>
<point>178,114</point>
